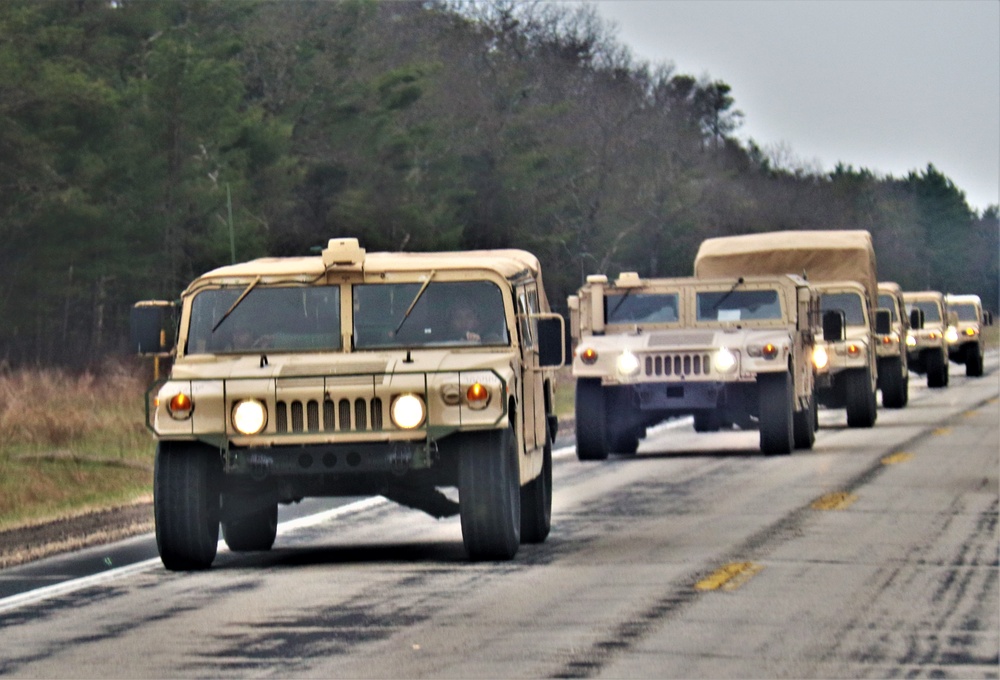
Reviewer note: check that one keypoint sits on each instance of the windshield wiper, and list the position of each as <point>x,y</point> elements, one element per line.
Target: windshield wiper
<point>415,299</point>
<point>229,311</point>
<point>729,292</point>
<point>618,304</point>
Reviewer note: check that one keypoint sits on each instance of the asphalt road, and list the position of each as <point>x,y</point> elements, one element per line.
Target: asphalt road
<point>873,555</point>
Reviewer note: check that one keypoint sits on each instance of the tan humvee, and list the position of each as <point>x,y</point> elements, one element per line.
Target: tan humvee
<point>727,351</point>
<point>965,338</point>
<point>926,346</point>
<point>841,266</point>
<point>351,374</point>
<point>893,366</point>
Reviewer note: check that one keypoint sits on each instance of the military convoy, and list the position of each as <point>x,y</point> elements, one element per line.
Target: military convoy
<point>728,351</point>
<point>405,375</point>
<point>343,374</point>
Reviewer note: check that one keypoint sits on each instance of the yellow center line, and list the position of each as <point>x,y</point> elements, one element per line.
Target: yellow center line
<point>899,457</point>
<point>942,430</point>
<point>838,500</point>
<point>729,577</point>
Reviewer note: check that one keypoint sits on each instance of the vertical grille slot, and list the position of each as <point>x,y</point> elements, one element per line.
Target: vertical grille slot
<point>360,415</point>
<point>296,416</point>
<point>329,419</point>
<point>312,415</point>
<point>281,417</point>
<point>345,414</point>
<point>376,414</point>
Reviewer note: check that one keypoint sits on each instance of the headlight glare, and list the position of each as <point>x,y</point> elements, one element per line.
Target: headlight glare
<point>628,364</point>
<point>820,358</point>
<point>725,360</point>
<point>249,416</point>
<point>911,341</point>
<point>408,411</point>
<point>951,335</point>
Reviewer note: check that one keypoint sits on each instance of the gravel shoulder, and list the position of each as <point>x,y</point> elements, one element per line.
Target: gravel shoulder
<point>28,543</point>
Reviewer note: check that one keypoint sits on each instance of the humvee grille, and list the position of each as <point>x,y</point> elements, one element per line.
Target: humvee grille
<point>361,415</point>
<point>678,365</point>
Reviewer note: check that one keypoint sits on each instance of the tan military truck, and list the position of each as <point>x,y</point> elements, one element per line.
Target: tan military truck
<point>926,347</point>
<point>893,367</point>
<point>843,263</point>
<point>352,374</point>
<point>965,337</point>
<point>727,351</point>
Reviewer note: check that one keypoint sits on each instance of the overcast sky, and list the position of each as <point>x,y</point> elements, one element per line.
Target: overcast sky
<point>888,85</point>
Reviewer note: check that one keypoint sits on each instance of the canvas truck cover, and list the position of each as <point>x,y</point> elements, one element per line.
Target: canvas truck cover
<point>832,255</point>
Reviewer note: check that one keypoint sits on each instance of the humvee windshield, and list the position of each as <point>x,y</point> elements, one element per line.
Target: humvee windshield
<point>278,319</point>
<point>849,303</point>
<point>965,312</point>
<point>929,307</point>
<point>445,313</point>
<point>738,305</point>
<point>630,308</point>
<point>888,302</point>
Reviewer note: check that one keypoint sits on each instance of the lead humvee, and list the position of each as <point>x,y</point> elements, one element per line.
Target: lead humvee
<point>341,375</point>
<point>733,351</point>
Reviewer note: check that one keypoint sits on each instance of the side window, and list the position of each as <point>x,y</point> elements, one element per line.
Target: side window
<point>523,307</point>
<point>533,308</point>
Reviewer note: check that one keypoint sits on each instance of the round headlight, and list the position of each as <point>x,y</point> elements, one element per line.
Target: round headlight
<point>249,416</point>
<point>408,411</point>
<point>820,357</point>
<point>911,341</point>
<point>628,364</point>
<point>951,335</point>
<point>725,361</point>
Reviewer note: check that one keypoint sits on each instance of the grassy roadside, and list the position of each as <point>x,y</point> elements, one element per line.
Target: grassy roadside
<point>70,443</point>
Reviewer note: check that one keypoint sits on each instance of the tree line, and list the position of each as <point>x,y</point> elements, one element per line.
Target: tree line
<point>142,143</point>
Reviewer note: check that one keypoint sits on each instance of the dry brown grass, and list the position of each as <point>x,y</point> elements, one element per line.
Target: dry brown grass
<point>58,434</point>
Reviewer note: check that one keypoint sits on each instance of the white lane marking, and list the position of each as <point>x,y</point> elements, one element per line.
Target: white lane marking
<point>71,586</point>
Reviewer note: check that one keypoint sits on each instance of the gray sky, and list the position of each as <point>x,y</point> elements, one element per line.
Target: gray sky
<point>888,85</point>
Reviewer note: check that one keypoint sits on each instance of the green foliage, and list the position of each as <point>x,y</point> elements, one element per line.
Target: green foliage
<point>126,129</point>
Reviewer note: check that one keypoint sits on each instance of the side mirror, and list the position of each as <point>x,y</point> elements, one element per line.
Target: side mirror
<point>551,343</point>
<point>833,325</point>
<point>883,321</point>
<point>148,327</point>
<point>916,319</point>
<point>987,318</point>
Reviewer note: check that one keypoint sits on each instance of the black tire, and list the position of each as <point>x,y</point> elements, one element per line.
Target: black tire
<point>862,403</point>
<point>186,481</point>
<point>251,531</point>
<point>489,495</point>
<point>804,426</point>
<point>974,362</point>
<point>591,421</point>
<point>775,411</point>
<point>895,386</point>
<point>536,502</point>
<point>707,421</point>
<point>937,370</point>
